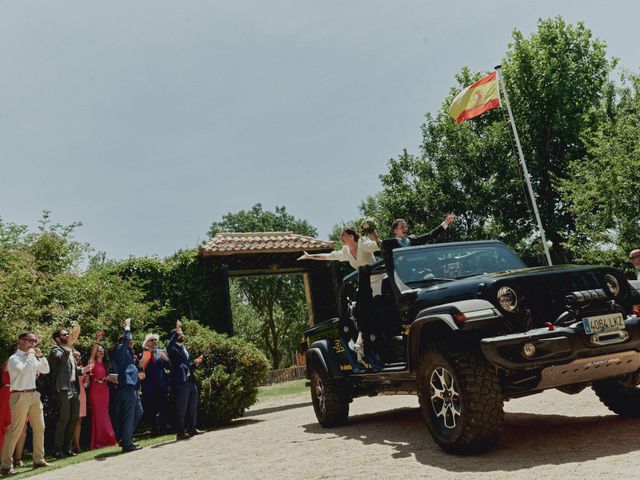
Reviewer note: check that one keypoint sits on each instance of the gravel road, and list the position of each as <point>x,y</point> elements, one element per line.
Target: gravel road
<point>549,435</point>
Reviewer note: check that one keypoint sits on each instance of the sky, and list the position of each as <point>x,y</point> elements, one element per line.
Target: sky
<point>148,120</point>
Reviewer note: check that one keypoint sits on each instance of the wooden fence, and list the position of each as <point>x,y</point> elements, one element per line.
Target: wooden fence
<point>286,374</point>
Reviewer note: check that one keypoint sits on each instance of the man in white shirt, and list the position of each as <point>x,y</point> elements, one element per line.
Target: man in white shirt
<point>24,366</point>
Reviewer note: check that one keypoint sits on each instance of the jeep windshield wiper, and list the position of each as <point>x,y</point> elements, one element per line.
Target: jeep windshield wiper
<point>470,275</point>
<point>429,280</point>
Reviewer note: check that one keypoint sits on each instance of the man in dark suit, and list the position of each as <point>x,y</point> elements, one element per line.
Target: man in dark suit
<point>155,385</point>
<point>64,376</point>
<point>184,384</point>
<point>374,328</point>
<point>403,239</point>
<point>128,410</point>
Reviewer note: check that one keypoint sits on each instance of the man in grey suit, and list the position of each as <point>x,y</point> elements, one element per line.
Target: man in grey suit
<point>64,382</point>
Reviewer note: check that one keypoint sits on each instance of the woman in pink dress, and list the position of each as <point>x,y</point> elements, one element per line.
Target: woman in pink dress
<point>101,429</point>
<point>5,393</point>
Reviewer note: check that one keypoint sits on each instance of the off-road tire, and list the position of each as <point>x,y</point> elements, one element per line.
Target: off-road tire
<point>330,398</point>
<point>618,398</point>
<point>475,394</point>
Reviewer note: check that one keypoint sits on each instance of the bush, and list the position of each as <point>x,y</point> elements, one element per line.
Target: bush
<point>41,288</point>
<point>229,375</point>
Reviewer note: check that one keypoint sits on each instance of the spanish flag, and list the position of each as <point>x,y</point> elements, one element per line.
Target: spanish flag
<point>476,99</point>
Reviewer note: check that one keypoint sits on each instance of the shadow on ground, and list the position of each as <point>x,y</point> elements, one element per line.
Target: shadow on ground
<point>280,408</point>
<point>104,456</point>
<point>528,440</point>
<point>242,422</point>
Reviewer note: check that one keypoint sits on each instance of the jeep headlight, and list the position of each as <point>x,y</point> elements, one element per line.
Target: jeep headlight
<point>612,284</point>
<point>508,299</point>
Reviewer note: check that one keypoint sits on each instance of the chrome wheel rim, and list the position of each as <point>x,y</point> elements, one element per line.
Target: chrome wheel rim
<point>320,395</point>
<point>445,399</point>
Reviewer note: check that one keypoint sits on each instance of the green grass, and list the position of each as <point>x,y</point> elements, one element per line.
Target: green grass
<point>28,471</point>
<point>286,388</point>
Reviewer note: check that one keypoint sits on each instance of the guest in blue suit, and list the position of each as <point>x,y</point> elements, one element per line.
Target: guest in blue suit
<point>128,409</point>
<point>184,385</point>
<point>155,385</point>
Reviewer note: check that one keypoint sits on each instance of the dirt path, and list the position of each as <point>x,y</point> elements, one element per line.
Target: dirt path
<point>551,435</point>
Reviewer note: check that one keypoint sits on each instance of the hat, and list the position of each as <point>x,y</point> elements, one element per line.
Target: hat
<point>150,336</point>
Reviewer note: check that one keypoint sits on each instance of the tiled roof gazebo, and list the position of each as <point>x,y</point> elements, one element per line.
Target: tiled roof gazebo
<point>262,242</point>
<point>264,253</point>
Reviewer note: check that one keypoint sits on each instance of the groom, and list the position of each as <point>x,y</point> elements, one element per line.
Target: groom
<point>184,384</point>
<point>403,239</point>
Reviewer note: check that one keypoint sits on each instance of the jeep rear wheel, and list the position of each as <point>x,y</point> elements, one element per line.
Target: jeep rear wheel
<point>618,397</point>
<point>460,399</point>
<point>330,399</point>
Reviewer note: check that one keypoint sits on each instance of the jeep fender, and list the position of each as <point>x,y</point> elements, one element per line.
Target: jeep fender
<point>322,355</point>
<point>442,323</point>
<point>438,320</point>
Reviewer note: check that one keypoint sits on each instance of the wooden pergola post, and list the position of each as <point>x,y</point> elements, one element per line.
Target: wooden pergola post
<point>307,296</point>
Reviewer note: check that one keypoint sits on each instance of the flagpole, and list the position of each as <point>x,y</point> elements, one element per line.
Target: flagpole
<point>524,165</point>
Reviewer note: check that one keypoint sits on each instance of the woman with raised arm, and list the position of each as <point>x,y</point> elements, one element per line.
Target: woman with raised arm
<point>356,250</point>
<point>101,429</point>
<point>155,385</point>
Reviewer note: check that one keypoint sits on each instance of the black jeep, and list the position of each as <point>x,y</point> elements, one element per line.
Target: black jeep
<point>467,326</point>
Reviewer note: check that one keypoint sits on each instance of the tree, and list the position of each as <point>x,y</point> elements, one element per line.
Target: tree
<point>556,80</point>
<point>606,206</point>
<point>277,300</point>
<point>176,286</point>
<point>466,169</point>
<point>258,220</point>
<point>41,287</point>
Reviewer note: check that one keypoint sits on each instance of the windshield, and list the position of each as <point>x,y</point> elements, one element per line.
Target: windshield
<point>445,263</point>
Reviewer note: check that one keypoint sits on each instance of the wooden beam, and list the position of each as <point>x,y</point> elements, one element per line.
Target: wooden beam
<point>307,295</point>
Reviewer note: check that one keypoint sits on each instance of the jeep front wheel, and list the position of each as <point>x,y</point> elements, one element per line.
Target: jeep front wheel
<point>330,399</point>
<point>460,399</point>
<point>619,397</point>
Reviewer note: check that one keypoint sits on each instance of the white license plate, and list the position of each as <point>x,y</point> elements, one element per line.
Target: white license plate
<point>599,323</point>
